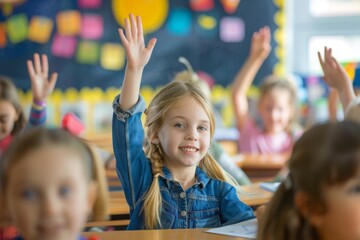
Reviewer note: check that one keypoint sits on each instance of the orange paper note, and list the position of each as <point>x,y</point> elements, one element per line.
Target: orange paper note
<point>40,29</point>
<point>68,23</point>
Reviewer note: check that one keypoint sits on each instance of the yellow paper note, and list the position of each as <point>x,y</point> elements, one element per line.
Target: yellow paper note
<point>112,56</point>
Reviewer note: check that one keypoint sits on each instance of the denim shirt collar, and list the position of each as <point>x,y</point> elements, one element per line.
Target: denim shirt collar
<point>201,178</point>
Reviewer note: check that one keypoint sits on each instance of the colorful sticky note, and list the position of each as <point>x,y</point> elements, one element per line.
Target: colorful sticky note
<point>68,23</point>
<point>92,26</point>
<point>206,26</point>
<point>89,3</point>
<point>179,22</point>
<point>40,29</point>
<point>2,35</point>
<point>201,5</point>
<point>230,6</point>
<point>112,56</point>
<point>17,28</point>
<point>88,52</point>
<point>232,29</point>
<point>63,46</point>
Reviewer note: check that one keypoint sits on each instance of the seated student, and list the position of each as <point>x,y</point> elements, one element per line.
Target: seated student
<point>215,150</point>
<point>320,197</point>
<point>12,119</point>
<point>52,183</point>
<point>336,77</point>
<point>277,129</point>
<point>176,183</point>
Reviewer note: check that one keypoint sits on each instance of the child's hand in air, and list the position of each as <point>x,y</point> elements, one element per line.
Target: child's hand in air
<point>137,54</point>
<point>334,74</point>
<point>42,86</point>
<point>260,44</point>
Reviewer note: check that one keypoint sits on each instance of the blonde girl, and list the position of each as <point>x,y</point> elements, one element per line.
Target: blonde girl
<point>51,183</point>
<point>276,129</point>
<point>175,183</point>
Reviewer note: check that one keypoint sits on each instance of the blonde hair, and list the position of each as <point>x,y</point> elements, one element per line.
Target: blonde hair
<point>353,110</point>
<point>39,137</point>
<point>273,82</point>
<point>156,113</point>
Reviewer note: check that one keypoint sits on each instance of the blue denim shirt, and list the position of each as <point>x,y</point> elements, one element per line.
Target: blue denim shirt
<point>208,203</point>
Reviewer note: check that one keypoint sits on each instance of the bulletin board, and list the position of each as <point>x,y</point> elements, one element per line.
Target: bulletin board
<point>81,40</point>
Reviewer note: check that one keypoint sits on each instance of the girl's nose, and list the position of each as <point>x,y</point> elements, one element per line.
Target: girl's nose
<point>191,135</point>
<point>50,206</point>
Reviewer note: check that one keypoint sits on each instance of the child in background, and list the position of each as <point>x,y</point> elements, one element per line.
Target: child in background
<point>215,150</point>
<point>50,180</point>
<point>176,183</point>
<point>336,77</point>
<point>276,106</point>
<point>12,119</point>
<point>320,198</point>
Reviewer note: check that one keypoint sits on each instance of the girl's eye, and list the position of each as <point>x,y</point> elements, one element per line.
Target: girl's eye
<point>179,125</point>
<point>64,191</point>
<point>202,128</point>
<point>355,189</point>
<point>29,194</point>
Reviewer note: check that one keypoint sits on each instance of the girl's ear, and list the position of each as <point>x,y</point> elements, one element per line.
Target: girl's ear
<point>302,203</point>
<point>311,213</point>
<point>154,139</point>
<point>92,190</point>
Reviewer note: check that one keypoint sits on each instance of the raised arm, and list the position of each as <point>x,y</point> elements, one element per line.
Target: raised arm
<point>336,77</point>
<point>42,87</point>
<point>259,51</point>
<point>137,55</point>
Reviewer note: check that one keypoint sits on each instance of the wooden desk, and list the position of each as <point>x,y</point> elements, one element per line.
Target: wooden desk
<point>174,234</point>
<point>260,167</point>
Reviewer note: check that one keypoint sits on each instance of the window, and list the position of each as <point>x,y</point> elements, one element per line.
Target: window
<point>313,24</point>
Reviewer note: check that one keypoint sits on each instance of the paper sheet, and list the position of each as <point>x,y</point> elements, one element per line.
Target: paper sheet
<point>246,229</point>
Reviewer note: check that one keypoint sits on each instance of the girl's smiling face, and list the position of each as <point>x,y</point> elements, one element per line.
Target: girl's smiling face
<point>48,195</point>
<point>8,117</point>
<point>185,134</point>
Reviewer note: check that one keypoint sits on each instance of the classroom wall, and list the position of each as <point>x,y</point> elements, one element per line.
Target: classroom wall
<point>80,37</point>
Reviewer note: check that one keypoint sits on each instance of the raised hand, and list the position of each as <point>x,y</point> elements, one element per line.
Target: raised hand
<point>133,41</point>
<point>260,44</point>
<point>334,74</point>
<point>336,77</point>
<point>137,55</point>
<point>42,86</point>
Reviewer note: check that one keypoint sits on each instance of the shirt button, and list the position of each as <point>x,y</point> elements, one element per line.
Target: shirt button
<point>183,213</point>
<point>183,195</point>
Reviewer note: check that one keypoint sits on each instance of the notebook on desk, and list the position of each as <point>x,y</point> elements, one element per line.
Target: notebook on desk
<point>246,229</point>
<point>270,186</point>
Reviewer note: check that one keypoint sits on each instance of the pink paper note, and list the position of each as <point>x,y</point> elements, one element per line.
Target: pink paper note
<point>63,46</point>
<point>232,29</point>
<point>92,26</point>
<point>89,3</point>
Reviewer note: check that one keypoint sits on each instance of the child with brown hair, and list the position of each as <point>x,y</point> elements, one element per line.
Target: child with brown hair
<point>320,198</point>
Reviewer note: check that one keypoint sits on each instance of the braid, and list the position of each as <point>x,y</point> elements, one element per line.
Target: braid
<point>152,201</point>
